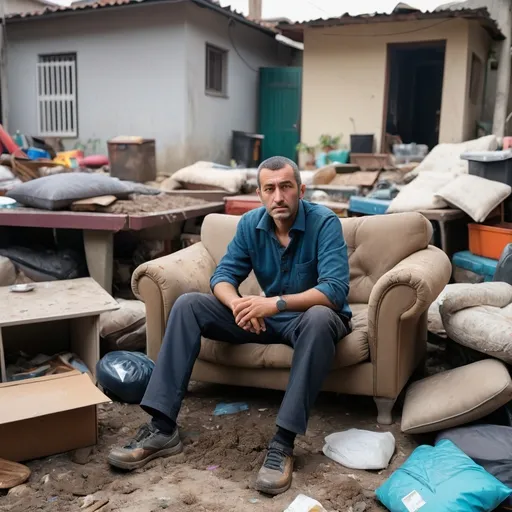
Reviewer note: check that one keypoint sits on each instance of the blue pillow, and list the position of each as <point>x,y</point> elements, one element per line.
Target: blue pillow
<point>441,478</point>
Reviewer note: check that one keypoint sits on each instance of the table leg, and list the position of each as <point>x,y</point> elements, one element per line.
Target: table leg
<point>99,253</point>
<point>3,373</point>
<point>444,238</point>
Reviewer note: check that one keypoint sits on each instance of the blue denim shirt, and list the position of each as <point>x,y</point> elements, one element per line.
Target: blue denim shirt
<point>316,256</point>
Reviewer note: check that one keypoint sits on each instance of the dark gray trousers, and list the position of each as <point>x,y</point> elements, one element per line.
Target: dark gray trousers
<point>313,336</point>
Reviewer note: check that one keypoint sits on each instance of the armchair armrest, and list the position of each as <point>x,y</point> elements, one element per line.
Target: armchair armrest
<point>160,282</point>
<point>397,317</point>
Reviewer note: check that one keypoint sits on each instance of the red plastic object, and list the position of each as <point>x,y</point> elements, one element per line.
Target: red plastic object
<point>507,142</point>
<point>8,143</point>
<point>238,205</point>
<point>93,161</point>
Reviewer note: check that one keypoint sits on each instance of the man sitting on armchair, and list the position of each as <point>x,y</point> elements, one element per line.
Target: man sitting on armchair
<point>299,256</point>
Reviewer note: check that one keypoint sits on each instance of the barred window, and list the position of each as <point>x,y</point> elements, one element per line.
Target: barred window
<point>57,95</point>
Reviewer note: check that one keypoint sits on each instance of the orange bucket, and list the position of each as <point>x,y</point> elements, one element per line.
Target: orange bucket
<point>489,241</point>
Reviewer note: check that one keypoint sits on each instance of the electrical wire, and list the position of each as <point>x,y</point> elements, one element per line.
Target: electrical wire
<point>242,58</point>
<point>317,7</point>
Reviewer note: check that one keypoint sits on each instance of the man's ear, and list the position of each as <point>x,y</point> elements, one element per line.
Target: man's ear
<point>302,191</point>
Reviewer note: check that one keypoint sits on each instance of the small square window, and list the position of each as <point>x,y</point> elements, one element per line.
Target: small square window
<point>216,71</point>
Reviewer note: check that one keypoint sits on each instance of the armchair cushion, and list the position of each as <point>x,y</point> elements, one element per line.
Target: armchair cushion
<point>456,397</point>
<point>352,349</point>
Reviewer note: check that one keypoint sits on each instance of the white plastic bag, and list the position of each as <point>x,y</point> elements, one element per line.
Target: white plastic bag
<point>360,449</point>
<point>303,503</point>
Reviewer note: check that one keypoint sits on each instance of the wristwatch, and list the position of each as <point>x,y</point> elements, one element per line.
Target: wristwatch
<point>281,304</point>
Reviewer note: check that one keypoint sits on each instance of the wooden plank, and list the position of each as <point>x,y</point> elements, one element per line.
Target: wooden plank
<point>85,340</point>
<point>54,300</point>
<point>137,222</point>
<point>32,217</point>
<point>92,204</point>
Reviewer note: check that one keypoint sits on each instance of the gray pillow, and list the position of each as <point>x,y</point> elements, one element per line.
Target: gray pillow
<point>58,191</point>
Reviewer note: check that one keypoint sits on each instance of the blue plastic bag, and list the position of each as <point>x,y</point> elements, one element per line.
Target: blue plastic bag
<point>441,479</point>
<point>222,409</point>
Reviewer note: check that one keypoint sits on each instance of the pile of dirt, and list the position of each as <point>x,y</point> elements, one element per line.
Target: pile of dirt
<point>337,491</point>
<point>232,452</point>
<point>141,203</point>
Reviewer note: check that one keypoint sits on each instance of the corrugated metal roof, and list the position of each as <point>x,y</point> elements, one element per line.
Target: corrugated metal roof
<point>295,31</point>
<point>105,4</point>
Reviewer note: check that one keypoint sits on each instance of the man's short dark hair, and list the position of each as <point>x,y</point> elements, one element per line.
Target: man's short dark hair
<point>276,163</point>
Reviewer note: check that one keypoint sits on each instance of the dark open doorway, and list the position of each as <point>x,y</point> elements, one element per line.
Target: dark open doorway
<point>414,92</point>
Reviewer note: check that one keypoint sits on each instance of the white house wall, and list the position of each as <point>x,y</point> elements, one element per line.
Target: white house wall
<point>211,119</point>
<point>129,72</point>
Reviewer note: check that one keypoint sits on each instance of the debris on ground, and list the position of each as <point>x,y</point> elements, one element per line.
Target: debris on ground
<point>141,203</point>
<point>221,458</point>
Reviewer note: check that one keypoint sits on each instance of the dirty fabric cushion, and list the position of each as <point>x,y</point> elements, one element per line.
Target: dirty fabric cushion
<point>474,195</point>
<point>446,157</point>
<point>456,397</point>
<point>435,321</point>
<point>210,175</point>
<point>480,317</point>
<point>353,349</point>
<point>61,190</point>
<point>420,193</point>
<point>7,272</point>
<point>124,328</point>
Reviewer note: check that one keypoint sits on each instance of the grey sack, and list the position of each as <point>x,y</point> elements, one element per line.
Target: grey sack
<point>490,446</point>
<point>58,191</point>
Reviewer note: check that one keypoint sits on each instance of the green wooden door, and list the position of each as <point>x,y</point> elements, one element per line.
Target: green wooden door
<point>279,110</point>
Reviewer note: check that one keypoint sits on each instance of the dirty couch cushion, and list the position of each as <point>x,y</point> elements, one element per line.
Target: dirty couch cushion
<point>473,195</point>
<point>61,190</point>
<point>211,176</point>
<point>7,272</point>
<point>124,328</point>
<point>420,193</point>
<point>456,397</point>
<point>480,317</point>
<point>352,349</point>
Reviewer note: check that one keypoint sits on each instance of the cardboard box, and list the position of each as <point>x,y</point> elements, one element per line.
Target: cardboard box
<point>48,415</point>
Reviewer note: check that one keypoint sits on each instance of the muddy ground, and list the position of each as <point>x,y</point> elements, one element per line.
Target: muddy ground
<point>221,457</point>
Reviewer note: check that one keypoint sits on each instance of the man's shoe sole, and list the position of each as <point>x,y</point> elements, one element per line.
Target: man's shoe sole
<point>272,491</point>
<point>175,450</point>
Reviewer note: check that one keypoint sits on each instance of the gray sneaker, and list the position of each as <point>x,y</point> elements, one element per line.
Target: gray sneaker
<point>148,444</point>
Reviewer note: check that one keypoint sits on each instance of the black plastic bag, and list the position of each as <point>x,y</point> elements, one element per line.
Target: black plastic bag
<point>124,376</point>
<point>42,264</point>
<point>504,269</point>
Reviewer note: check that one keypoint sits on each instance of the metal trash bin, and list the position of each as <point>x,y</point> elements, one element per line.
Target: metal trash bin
<point>246,148</point>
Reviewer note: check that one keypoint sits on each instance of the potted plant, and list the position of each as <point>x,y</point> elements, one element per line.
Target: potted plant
<point>329,143</point>
<point>308,154</point>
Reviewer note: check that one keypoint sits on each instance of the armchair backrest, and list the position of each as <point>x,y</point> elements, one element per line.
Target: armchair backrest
<point>375,245</point>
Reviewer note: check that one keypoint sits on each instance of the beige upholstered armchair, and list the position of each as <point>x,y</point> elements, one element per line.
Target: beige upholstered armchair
<point>394,277</point>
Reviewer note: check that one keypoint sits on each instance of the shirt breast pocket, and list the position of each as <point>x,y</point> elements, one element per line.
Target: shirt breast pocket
<point>306,275</point>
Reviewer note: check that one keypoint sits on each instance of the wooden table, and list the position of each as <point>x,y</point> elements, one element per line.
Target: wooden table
<point>98,229</point>
<point>54,316</point>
